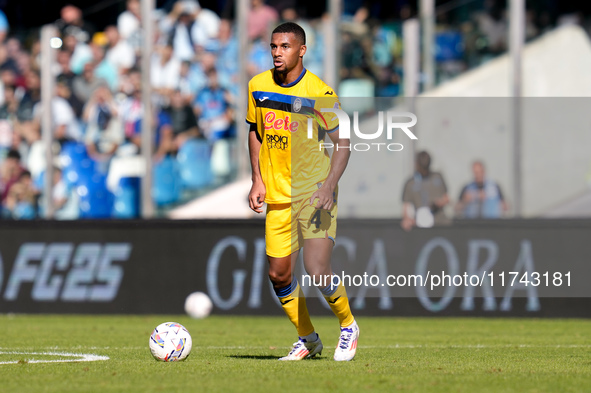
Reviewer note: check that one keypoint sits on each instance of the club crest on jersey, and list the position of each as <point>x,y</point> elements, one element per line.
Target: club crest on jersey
<point>297,105</point>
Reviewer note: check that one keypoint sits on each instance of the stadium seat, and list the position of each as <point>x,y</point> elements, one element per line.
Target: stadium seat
<point>448,46</point>
<point>95,199</point>
<point>72,156</point>
<point>127,198</point>
<point>194,158</point>
<point>166,183</point>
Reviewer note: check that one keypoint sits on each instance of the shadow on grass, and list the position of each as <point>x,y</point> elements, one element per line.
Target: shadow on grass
<point>262,357</point>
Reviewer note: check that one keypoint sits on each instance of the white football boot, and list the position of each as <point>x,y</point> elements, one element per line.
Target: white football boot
<point>303,349</point>
<point>347,346</point>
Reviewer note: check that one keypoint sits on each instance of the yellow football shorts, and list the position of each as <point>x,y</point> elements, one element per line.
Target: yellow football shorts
<point>288,224</point>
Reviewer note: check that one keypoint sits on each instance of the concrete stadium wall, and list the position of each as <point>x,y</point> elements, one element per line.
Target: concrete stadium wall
<point>469,118</point>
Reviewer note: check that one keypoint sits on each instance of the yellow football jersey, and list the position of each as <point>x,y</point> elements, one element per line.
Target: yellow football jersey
<point>291,160</point>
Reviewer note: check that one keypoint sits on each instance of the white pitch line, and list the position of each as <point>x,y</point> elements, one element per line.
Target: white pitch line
<point>79,357</point>
<point>245,347</point>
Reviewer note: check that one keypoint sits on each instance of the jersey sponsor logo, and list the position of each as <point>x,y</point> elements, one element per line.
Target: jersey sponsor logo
<point>297,105</point>
<point>263,99</point>
<point>277,141</point>
<point>273,122</point>
<point>328,93</point>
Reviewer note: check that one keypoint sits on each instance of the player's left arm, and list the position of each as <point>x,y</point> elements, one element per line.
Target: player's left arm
<point>338,163</point>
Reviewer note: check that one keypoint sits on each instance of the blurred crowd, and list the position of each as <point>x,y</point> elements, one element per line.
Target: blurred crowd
<point>97,104</point>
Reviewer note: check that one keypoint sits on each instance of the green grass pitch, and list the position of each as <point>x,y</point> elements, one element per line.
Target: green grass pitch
<point>239,354</point>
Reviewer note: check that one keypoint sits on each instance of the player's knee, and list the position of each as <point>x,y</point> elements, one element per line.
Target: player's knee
<point>280,279</point>
<point>316,271</point>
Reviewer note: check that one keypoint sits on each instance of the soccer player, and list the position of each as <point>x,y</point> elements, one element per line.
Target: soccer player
<point>298,181</point>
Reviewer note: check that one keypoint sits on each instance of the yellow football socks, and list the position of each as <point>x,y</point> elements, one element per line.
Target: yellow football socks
<point>338,301</point>
<point>294,304</point>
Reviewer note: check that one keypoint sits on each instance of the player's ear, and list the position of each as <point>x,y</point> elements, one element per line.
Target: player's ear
<point>302,50</point>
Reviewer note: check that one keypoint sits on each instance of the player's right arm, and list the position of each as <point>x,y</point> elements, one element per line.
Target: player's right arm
<point>256,197</point>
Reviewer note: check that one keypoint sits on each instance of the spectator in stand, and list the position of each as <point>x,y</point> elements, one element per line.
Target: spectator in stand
<point>64,123</point>
<point>131,109</point>
<point>206,27</point>
<point>34,54</point>
<point>71,23</point>
<point>10,128</point>
<point>481,198</point>
<point>226,53</point>
<point>28,126</point>
<point>64,91</point>
<point>86,83</point>
<point>258,58</point>
<point>104,133</point>
<point>199,70</point>
<point>424,196</point>
<point>130,82</point>
<point>183,120</point>
<point>177,26</point>
<point>188,27</point>
<point>13,48</point>
<point>119,53</point>
<point>187,85</point>
<point>128,24</point>
<point>6,79</point>
<point>21,200</point>
<point>261,18</point>
<point>213,110</point>
<point>80,53</point>
<point>163,134</point>
<point>7,120</point>
<point>103,69</point>
<point>65,71</point>
<point>166,71</point>
<point>10,171</point>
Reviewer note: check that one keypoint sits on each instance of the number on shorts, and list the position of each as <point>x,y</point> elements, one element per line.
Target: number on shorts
<point>316,219</point>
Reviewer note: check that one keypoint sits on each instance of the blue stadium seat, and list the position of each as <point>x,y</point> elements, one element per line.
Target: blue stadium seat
<point>73,156</point>
<point>449,45</point>
<point>194,158</point>
<point>166,184</point>
<point>96,201</point>
<point>127,198</point>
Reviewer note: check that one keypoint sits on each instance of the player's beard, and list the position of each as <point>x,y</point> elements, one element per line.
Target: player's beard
<point>279,75</point>
<point>282,72</point>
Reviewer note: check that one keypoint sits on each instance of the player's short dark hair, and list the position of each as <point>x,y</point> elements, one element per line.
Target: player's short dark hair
<point>424,160</point>
<point>290,27</point>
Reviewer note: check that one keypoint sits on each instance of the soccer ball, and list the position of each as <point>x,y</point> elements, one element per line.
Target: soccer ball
<point>170,342</point>
<point>198,305</point>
